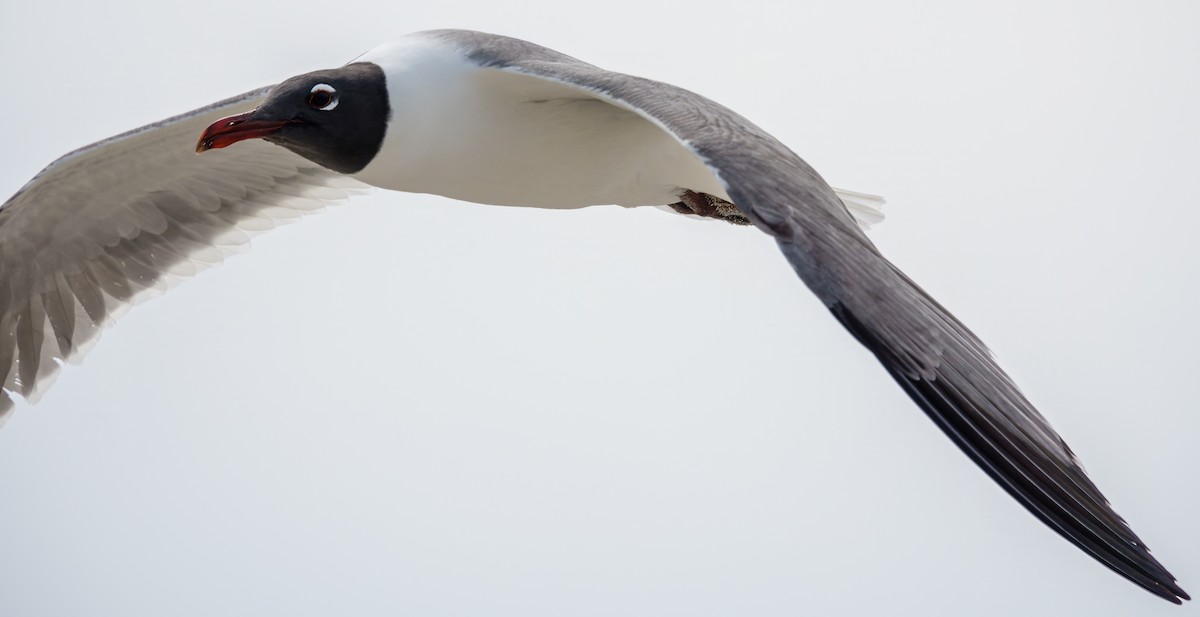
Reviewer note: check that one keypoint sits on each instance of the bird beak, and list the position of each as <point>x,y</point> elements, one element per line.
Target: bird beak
<point>230,130</point>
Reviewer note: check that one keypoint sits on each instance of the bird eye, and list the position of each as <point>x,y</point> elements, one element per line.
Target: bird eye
<point>323,97</point>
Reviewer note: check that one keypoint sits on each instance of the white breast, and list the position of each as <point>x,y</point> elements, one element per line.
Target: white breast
<point>498,137</point>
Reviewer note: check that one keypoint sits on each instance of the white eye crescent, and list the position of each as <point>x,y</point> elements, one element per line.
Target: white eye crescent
<point>323,97</point>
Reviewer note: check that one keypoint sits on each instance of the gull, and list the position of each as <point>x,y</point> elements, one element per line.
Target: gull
<point>500,121</point>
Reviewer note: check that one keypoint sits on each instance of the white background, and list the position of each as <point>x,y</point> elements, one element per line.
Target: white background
<point>411,406</point>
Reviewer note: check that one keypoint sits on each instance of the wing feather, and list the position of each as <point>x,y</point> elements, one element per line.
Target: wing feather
<point>126,218</point>
<point>942,366</point>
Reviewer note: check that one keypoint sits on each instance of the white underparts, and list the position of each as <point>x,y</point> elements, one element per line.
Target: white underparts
<point>498,137</point>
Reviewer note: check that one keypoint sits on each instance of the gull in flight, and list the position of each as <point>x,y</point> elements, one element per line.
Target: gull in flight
<point>495,120</point>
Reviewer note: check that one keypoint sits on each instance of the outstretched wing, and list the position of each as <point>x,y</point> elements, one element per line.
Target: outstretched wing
<point>944,368</point>
<point>122,219</point>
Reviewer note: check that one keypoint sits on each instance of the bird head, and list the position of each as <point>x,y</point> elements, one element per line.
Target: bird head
<point>336,118</point>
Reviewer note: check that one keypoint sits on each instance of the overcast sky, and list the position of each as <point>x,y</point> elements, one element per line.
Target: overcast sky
<point>412,406</point>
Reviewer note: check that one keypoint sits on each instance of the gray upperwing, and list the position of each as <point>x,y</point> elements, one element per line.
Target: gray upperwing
<point>246,100</point>
<point>943,367</point>
<point>122,219</point>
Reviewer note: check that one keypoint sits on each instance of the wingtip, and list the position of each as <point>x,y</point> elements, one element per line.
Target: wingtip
<point>1108,540</point>
<point>1173,593</point>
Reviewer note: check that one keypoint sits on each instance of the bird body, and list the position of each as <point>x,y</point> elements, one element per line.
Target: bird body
<point>501,121</point>
<point>502,138</point>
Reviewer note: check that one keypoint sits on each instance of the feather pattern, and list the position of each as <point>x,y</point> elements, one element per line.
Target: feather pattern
<point>942,366</point>
<point>124,219</point>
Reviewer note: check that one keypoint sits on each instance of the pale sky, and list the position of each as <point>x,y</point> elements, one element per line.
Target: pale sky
<point>412,406</point>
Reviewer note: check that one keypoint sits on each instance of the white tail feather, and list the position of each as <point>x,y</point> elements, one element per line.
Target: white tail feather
<point>866,208</point>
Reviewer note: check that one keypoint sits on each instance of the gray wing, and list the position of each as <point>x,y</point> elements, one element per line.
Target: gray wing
<point>122,219</point>
<point>944,368</point>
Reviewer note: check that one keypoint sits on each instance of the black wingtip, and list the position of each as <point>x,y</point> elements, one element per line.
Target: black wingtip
<point>1063,499</point>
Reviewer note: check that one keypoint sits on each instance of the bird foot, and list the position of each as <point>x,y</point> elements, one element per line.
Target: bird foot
<point>703,204</point>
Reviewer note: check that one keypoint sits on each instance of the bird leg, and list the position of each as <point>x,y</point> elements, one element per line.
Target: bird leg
<point>703,204</point>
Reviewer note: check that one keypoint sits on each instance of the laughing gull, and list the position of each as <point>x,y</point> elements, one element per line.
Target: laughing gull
<point>496,120</point>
